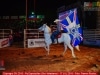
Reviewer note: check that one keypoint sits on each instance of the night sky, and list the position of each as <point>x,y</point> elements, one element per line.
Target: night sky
<point>41,7</point>
<point>45,7</point>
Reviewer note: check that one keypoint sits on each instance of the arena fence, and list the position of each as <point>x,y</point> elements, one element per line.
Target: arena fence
<point>4,37</point>
<point>4,33</point>
<point>33,36</point>
<point>91,37</point>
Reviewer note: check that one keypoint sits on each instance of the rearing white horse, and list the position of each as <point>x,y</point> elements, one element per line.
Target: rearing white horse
<point>65,38</point>
<point>47,36</point>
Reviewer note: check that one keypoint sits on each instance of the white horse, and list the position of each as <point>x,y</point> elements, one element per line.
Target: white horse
<point>65,38</point>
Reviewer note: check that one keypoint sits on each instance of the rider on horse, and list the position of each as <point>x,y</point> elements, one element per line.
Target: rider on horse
<point>57,31</point>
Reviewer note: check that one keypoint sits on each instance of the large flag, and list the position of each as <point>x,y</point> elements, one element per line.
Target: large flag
<point>71,25</point>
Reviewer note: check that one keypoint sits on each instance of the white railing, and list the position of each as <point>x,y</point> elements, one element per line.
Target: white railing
<point>4,33</point>
<point>31,34</point>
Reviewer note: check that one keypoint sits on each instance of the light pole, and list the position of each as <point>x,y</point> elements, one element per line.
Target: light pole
<point>26,14</point>
<point>34,6</point>
<point>35,13</point>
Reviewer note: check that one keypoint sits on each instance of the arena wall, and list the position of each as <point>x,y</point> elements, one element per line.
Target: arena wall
<point>91,37</point>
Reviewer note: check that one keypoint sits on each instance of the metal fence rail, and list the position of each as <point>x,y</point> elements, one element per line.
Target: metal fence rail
<point>31,34</point>
<point>4,33</point>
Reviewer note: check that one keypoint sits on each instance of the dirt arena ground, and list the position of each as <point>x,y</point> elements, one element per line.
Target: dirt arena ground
<point>34,59</point>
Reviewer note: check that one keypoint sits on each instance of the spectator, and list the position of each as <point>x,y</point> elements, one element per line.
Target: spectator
<point>10,39</point>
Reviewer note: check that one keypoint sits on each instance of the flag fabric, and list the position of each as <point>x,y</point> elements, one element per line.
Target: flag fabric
<point>71,25</point>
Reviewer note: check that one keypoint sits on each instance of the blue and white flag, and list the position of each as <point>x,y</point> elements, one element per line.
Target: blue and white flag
<point>71,25</point>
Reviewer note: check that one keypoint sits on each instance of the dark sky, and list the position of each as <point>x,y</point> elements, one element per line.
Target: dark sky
<point>44,7</point>
<point>17,7</point>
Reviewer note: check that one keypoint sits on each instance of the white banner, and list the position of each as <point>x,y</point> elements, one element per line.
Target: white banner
<point>36,43</point>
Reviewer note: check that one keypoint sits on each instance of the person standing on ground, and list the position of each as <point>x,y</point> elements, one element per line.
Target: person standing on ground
<point>10,39</point>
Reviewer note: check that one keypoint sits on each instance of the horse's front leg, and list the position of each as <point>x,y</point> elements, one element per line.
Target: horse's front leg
<point>47,48</point>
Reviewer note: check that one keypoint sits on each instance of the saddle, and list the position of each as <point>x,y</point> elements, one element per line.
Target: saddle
<point>59,35</point>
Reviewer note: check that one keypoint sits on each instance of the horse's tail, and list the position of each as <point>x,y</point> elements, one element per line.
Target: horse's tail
<point>77,47</point>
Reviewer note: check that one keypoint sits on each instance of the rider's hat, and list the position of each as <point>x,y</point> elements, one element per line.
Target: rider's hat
<point>57,20</point>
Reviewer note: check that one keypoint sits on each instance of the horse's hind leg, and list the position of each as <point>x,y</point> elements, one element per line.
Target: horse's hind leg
<point>72,50</point>
<point>65,48</point>
<point>77,47</point>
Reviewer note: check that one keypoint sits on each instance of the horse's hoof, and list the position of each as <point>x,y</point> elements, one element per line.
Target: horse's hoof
<point>73,62</point>
<point>75,58</point>
<point>78,50</point>
<point>47,54</point>
<point>54,56</point>
<point>61,55</point>
<point>39,56</point>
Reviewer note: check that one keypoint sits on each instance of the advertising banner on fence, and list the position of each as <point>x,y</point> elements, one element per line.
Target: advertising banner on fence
<point>4,42</point>
<point>36,43</point>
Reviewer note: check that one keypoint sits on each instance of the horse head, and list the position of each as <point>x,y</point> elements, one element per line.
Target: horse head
<point>45,28</point>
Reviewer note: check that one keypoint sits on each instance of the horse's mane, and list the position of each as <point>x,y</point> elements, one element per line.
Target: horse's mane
<point>48,28</point>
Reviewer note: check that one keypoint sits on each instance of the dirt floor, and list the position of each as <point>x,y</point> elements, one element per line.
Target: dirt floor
<point>34,59</point>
